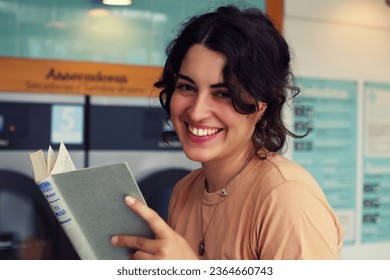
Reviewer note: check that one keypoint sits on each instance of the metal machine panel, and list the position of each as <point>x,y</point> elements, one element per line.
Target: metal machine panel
<point>28,228</point>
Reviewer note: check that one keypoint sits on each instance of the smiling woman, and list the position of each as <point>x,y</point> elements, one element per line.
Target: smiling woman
<point>208,126</point>
<point>224,86</point>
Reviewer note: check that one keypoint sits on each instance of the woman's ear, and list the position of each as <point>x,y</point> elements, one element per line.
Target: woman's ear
<point>260,121</point>
<point>262,108</point>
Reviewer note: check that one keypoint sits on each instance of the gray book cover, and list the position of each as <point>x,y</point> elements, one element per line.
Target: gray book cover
<point>95,196</point>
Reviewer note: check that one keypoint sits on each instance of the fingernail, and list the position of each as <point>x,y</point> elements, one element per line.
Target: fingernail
<point>114,240</point>
<point>130,200</point>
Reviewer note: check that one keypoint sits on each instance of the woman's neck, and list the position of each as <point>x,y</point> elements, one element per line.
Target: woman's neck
<point>220,173</point>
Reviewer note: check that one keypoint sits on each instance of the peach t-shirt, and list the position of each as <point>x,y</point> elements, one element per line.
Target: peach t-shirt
<point>274,210</point>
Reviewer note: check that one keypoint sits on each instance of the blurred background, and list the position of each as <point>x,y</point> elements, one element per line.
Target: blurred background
<point>89,30</point>
<point>81,71</point>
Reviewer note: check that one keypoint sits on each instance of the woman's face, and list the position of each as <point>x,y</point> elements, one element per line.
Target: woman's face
<point>202,112</point>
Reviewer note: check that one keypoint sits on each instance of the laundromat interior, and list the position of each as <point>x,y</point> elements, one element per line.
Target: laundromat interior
<point>341,62</point>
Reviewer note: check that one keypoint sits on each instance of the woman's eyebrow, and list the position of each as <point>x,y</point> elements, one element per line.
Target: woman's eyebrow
<point>188,79</point>
<point>184,77</point>
<point>219,85</point>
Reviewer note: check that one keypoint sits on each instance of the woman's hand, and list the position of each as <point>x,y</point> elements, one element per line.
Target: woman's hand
<point>167,245</point>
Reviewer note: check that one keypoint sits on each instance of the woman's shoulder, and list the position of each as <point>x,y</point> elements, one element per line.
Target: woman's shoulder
<point>278,172</point>
<point>288,185</point>
<point>190,179</point>
<point>277,167</point>
<point>193,175</point>
<point>187,188</point>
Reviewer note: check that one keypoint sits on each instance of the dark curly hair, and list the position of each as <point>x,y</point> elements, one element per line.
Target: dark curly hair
<point>258,62</point>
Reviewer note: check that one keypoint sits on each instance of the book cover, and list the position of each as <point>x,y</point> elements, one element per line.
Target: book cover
<point>89,204</point>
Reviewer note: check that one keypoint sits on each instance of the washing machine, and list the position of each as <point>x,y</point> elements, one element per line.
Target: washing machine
<point>28,122</point>
<point>129,129</point>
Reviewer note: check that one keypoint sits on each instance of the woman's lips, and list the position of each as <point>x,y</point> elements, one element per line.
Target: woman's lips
<point>202,134</point>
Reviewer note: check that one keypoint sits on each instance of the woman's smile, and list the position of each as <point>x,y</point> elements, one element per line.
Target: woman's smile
<point>202,134</point>
<point>202,131</point>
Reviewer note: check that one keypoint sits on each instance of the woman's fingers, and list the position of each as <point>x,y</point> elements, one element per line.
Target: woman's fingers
<point>156,223</point>
<point>145,249</point>
<point>167,244</point>
<point>134,242</point>
<point>141,255</point>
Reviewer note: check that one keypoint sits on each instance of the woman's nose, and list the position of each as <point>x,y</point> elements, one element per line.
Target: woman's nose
<point>199,107</point>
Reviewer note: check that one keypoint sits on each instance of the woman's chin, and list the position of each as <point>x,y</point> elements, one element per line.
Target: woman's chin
<point>197,155</point>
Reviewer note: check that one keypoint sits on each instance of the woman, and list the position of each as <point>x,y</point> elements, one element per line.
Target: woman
<point>224,84</point>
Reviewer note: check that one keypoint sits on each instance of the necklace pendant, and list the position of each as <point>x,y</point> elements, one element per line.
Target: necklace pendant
<point>201,247</point>
<point>224,192</point>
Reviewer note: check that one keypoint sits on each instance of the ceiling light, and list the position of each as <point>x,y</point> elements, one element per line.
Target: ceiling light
<point>117,2</point>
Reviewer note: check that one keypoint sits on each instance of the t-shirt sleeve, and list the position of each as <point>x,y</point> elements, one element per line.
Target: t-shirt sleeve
<point>297,222</point>
<point>172,204</point>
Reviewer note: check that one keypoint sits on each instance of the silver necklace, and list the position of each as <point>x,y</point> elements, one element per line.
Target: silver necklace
<point>224,193</point>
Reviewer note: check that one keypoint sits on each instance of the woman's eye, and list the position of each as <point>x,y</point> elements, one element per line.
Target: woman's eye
<point>223,95</point>
<point>185,87</point>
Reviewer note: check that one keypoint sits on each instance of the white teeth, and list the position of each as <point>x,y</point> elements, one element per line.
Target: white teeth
<point>202,132</point>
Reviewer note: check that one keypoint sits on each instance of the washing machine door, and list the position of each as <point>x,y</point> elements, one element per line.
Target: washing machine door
<point>28,229</point>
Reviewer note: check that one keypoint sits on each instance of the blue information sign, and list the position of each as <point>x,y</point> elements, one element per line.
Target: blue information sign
<point>376,163</point>
<point>67,124</point>
<point>328,109</point>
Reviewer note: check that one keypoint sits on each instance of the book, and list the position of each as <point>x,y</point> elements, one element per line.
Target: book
<point>89,203</point>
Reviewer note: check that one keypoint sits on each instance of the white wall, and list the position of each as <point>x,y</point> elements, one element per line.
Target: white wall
<point>347,40</point>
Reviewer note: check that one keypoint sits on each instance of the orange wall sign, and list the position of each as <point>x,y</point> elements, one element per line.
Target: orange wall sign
<point>71,77</point>
<point>275,10</point>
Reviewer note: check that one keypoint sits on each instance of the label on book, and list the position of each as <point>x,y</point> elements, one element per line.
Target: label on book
<point>55,202</point>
